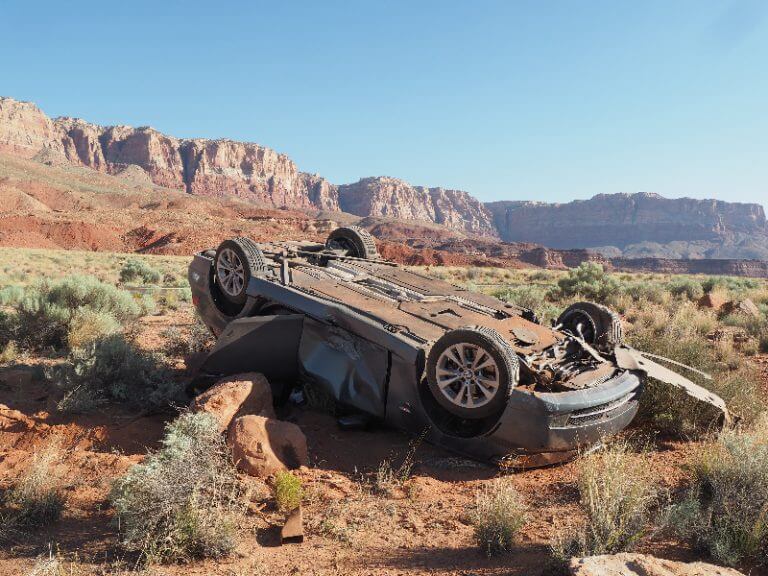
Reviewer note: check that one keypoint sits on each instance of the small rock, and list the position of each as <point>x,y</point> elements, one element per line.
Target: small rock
<point>236,396</point>
<point>741,307</point>
<point>643,565</point>
<point>262,446</point>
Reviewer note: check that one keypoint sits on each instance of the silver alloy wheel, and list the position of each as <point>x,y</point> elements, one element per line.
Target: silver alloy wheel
<point>231,273</point>
<point>467,375</point>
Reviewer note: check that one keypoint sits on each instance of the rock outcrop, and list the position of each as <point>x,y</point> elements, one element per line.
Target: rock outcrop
<point>626,564</point>
<point>639,225</point>
<point>393,198</point>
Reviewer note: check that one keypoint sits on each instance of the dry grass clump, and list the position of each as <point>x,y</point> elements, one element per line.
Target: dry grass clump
<point>726,510</point>
<point>289,491</point>
<point>187,344</point>
<point>36,498</point>
<point>183,502</point>
<point>616,494</point>
<point>680,334</point>
<point>498,515</point>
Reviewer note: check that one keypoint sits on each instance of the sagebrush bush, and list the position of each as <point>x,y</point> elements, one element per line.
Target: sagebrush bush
<point>36,499</point>
<point>114,368</point>
<point>686,287</point>
<point>616,493</point>
<point>138,270</point>
<point>499,513</point>
<point>289,491</point>
<point>531,297</point>
<point>88,326</point>
<point>45,313</point>
<point>182,502</point>
<point>726,510</point>
<point>589,281</point>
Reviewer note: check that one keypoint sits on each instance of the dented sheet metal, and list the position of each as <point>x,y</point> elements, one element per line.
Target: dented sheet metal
<point>631,359</point>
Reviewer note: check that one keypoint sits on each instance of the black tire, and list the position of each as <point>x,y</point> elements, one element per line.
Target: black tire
<point>237,261</point>
<point>356,241</point>
<point>598,325</point>
<point>506,369</point>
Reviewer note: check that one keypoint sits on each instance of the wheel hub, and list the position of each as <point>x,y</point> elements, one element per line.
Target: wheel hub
<point>231,272</point>
<point>467,375</point>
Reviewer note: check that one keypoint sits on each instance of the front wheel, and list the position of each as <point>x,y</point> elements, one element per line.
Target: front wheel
<point>236,262</point>
<point>472,371</point>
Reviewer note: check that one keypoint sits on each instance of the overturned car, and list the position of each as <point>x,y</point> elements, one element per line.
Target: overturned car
<point>471,373</point>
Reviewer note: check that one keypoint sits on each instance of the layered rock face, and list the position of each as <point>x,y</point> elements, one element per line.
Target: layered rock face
<point>206,167</point>
<point>393,198</point>
<point>626,221</point>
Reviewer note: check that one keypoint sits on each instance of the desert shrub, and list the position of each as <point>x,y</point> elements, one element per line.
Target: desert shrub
<point>11,295</point>
<point>680,334</point>
<point>9,353</point>
<point>88,326</point>
<point>686,287</point>
<point>36,499</point>
<point>138,270</point>
<point>531,297</point>
<point>45,314</point>
<point>616,495</point>
<point>114,368</point>
<point>644,291</point>
<point>732,284</point>
<point>726,509</point>
<point>185,345</point>
<point>589,281</point>
<point>183,501</point>
<point>289,491</point>
<point>498,515</point>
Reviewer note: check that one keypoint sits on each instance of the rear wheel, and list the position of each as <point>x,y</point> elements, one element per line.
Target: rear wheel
<point>596,324</point>
<point>472,371</point>
<point>236,262</point>
<point>355,241</point>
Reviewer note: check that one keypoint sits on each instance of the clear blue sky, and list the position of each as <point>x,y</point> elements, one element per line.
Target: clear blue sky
<point>549,100</point>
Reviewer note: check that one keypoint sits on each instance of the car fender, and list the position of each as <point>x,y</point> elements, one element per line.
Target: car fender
<point>631,359</point>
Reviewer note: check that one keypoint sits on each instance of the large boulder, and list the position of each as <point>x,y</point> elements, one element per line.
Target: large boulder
<point>626,564</point>
<point>262,446</point>
<point>236,396</point>
<point>741,308</point>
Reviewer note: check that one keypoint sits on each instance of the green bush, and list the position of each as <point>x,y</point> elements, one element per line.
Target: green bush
<point>88,326</point>
<point>139,270</point>
<point>289,491</point>
<point>47,311</point>
<point>589,281</point>
<point>113,368</point>
<point>531,297</point>
<point>616,494</point>
<point>686,287</point>
<point>183,502</point>
<point>498,515</point>
<point>726,510</point>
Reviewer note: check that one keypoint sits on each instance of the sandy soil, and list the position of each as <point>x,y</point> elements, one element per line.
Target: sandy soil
<point>420,527</point>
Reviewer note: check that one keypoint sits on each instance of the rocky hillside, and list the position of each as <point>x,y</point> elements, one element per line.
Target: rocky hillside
<point>639,225</point>
<point>225,168</point>
<point>616,226</point>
